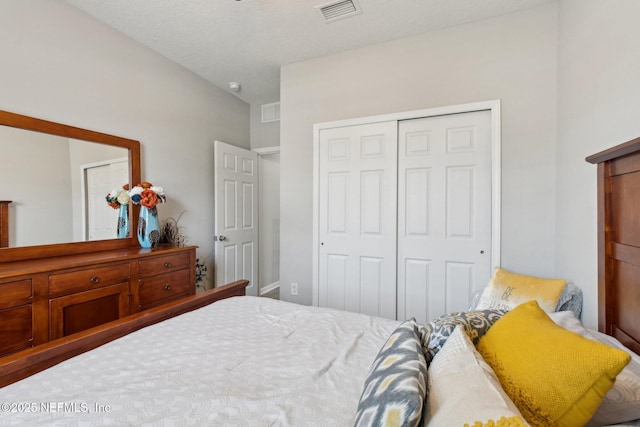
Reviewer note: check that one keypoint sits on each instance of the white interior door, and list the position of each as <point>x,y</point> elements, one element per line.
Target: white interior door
<point>102,220</point>
<point>357,222</point>
<point>444,221</point>
<point>236,215</point>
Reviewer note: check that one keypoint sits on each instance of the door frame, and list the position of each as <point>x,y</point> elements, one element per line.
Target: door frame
<point>83,188</point>
<point>264,151</point>
<point>496,169</point>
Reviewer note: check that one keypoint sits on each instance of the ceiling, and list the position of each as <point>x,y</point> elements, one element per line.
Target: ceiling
<point>248,41</point>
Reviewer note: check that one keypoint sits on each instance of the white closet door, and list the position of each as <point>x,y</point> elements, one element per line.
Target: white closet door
<point>357,220</point>
<point>444,220</point>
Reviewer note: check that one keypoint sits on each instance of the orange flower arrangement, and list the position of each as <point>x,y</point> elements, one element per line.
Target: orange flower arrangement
<point>118,197</point>
<point>147,195</point>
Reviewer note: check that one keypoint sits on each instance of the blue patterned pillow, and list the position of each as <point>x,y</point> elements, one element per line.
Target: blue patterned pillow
<point>396,387</point>
<point>475,323</point>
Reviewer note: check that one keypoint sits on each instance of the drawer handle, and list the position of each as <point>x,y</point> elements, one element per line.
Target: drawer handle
<point>167,287</point>
<point>167,264</point>
<point>95,280</point>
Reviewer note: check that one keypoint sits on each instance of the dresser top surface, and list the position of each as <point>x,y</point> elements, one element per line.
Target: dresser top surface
<point>32,266</point>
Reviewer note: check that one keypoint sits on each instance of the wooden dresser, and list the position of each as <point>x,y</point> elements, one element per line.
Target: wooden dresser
<point>48,298</point>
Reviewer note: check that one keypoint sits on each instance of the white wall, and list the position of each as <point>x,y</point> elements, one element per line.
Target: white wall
<point>512,58</point>
<point>598,107</point>
<point>263,134</point>
<point>60,64</point>
<point>35,176</point>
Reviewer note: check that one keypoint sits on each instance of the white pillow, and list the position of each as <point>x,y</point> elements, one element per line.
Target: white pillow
<point>622,402</point>
<point>463,389</point>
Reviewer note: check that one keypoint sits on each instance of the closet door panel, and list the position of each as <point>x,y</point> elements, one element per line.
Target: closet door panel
<point>405,215</point>
<point>417,278</point>
<point>416,212</point>
<point>444,205</point>
<point>372,279</point>
<point>459,285</point>
<point>357,220</point>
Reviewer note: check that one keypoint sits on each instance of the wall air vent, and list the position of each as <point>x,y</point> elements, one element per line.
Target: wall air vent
<point>271,112</point>
<point>337,10</point>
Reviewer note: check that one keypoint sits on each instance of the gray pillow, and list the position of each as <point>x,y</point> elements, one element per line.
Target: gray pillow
<point>396,387</point>
<point>475,323</point>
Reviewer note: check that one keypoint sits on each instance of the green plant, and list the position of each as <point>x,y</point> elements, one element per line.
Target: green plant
<point>201,273</point>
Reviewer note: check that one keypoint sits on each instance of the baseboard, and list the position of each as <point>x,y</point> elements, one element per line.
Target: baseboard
<point>269,288</point>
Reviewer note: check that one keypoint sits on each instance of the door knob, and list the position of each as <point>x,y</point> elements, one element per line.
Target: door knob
<point>219,238</point>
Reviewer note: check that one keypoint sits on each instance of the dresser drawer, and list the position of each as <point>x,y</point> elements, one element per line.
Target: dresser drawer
<point>12,293</point>
<point>163,264</point>
<point>90,278</point>
<point>163,288</point>
<point>16,329</point>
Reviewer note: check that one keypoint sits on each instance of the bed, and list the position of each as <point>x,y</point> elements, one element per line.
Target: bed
<point>240,361</point>
<point>250,361</point>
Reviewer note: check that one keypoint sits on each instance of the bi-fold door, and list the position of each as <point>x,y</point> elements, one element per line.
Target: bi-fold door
<point>404,221</point>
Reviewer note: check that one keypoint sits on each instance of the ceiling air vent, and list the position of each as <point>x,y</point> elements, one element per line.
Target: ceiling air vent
<point>337,10</point>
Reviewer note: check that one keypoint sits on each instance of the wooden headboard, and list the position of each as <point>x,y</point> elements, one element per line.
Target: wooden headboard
<point>619,242</point>
<point>4,223</point>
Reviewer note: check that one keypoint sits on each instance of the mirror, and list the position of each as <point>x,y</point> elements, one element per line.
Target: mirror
<point>61,182</point>
<point>57,179</point>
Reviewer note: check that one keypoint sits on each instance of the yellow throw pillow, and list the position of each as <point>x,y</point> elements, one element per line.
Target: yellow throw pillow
<point>502,422</point>
<point>555,377</point>
<point>508,290</point>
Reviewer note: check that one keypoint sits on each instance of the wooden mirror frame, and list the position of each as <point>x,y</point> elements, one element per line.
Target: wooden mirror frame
<point>43,126</point>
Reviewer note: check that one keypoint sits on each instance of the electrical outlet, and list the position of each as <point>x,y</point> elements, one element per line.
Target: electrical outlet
<point>294,288</point>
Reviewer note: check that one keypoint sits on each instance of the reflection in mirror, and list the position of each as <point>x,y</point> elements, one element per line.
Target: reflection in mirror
<point>62,208</point>
<point>58,187</point>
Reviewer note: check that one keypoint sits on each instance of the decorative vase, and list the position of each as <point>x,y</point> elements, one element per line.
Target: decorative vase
<point>123,222</point>
<point>148,227</point>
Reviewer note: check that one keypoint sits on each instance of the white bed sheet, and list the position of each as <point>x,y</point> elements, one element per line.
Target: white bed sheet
<point>242,361</point>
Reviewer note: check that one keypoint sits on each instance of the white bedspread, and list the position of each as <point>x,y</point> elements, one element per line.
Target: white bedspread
<point>243,361</point>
